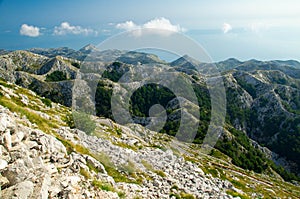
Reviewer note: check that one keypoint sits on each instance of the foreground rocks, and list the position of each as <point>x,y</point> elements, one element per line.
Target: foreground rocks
<point>37,165</point>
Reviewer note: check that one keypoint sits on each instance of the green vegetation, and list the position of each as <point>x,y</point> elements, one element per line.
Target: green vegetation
<point>248,87</point>
<point>148,95</point>
<point>287,176</point>
<point>239,149</point>
<point>235,109</point>
<point>71,147</point>
<point>103,186</point>
<point>114,72</point>
<point>47,102</point>
<point>69,120</point>
<point>147,165</point>
<point>56,76</point>
<point>287,131</point>
<point>128,168</point>
<point>187,196</point>
<point>85,173</point>
<point>111,169</point>
<point>177,196</point>
<point>243,154</point>
<point>103,99</point>
<point>33,117</point>
<point>75,64</point>
<point>160,173</point>
<point>84,122</point>
<point>121,194</point>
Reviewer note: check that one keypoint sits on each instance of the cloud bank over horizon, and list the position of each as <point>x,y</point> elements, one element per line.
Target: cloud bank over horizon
<point>226,29</point>
<point>160,23</point>
<point>66,28</point>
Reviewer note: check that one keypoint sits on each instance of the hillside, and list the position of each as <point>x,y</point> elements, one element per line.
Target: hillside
<point>256,153</point>
<point>42,157</point>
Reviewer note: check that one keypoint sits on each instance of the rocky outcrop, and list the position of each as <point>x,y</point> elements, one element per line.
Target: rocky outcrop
<point>37,165</point>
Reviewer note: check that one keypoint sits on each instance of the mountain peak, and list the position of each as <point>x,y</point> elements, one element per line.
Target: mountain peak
<point>186,60</point>
<point>88,48</point>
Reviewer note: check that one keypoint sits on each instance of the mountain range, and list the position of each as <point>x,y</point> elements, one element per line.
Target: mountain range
<point>261,132</point>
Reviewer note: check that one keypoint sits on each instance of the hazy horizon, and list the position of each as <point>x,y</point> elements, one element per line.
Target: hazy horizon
<point>225,29</point>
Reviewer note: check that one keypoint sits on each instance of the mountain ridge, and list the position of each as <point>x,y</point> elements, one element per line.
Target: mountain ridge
<point>49,159</point>
<point>252,92</point>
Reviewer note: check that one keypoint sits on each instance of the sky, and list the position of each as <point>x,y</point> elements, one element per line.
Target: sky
<point>245,29</point>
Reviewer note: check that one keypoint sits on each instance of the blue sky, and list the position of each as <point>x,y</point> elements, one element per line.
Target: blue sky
<point>242,29</point>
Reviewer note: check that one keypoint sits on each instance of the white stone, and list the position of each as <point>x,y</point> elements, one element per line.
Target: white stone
<point>4,122</point>
<point>17,137</point>
<point>24,190</point>
<point>7,139</point>
<point>24,99</point>
<point>45,187</point>
<point>3,164</point>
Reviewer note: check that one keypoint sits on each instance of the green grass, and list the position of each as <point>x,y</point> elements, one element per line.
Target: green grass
<point>121,195</point>
<point>71,147</point>
<point>42,123</point>
<point>147,165</point>
<point>5,84</point>
<point>85,173</point>
<point>128,168</point>
<point>103,186</point>
<point>187,196</point>
<point>160,173</point>
<point>111,168</point>
<point>91,167</point>
<point>124,145</point>
<point>210,170</point>
<point>238,184</point>
<point>174,187</point>
<point>47,102</point>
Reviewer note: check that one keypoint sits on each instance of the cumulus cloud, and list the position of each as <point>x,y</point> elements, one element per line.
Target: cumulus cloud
<point>163,24</point>
<point>160,24</point>
<point>128,25</point>
<point>30,31</point>
<point>226,28</point>
<point>66,28</point>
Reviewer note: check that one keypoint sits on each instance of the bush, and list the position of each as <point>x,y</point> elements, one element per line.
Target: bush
<point>70,120</point>
<point>75,64</point>
<point>47,102</point>
<point>56,76</point>
<point>84,122</point>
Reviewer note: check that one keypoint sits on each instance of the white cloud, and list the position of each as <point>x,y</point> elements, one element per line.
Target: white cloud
<point>128,25</point>
<point>158,25</point>
<point>163,24</point>
<point>30,31</point>
<point>226,28</point>
<point>65,28</point>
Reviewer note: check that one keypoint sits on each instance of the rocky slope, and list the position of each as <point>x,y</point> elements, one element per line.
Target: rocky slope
<point>41,157</point>
<point>262,103</point>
